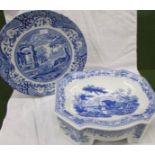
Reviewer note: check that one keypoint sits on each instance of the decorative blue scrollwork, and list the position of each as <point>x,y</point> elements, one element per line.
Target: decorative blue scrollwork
<point>93,102</point>
<point>38,48</point>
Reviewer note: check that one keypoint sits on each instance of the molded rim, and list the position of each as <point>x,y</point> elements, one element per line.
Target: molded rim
<point>82,123</point>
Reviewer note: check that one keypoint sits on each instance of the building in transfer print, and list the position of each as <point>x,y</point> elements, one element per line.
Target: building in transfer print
<point>27,58</point>
<point>30,58</point>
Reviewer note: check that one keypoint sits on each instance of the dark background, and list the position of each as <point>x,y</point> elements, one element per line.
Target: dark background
<point>145,55</point>
<point>146,45</point>
<point>5,90</point>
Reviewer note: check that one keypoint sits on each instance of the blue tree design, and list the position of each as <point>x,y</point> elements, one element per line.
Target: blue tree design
<point>95,103</point>
<point>97,90</point>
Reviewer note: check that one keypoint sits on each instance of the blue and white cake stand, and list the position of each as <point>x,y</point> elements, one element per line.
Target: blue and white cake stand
<point>37,49</point>
<point>104,105</point>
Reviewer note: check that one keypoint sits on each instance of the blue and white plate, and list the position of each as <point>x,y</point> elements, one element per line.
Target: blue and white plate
<point>38,48</point>
<point>104,104</point>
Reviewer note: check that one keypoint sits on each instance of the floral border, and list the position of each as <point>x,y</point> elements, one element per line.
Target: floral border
<point>81,122</point>
<point>21,24</point>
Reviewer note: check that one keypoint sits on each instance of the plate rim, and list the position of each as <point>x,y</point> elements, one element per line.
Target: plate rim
<point>52,82</point>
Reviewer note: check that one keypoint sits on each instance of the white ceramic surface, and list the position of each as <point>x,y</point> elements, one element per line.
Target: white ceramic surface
<point>104,104</point>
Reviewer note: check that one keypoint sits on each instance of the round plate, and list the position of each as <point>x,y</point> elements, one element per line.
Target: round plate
<point>38,48</point>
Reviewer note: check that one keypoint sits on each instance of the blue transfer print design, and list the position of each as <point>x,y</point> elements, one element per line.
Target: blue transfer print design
<point>86,121</point>
<point>94,89</point>
<point>139,130</point>
<point>89,135</point>
<point>98,102</point>
<point>43,55</point>
<point>46,46</point>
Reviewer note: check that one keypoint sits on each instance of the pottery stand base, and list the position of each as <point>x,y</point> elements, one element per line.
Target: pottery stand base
<point>88,136</point>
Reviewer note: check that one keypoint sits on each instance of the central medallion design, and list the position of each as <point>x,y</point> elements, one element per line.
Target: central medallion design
<point>95,101</point>
<point>42,55</point>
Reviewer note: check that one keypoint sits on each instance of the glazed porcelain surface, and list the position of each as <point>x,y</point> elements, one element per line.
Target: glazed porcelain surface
<point>105,100</point>
<point>37,49</point>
